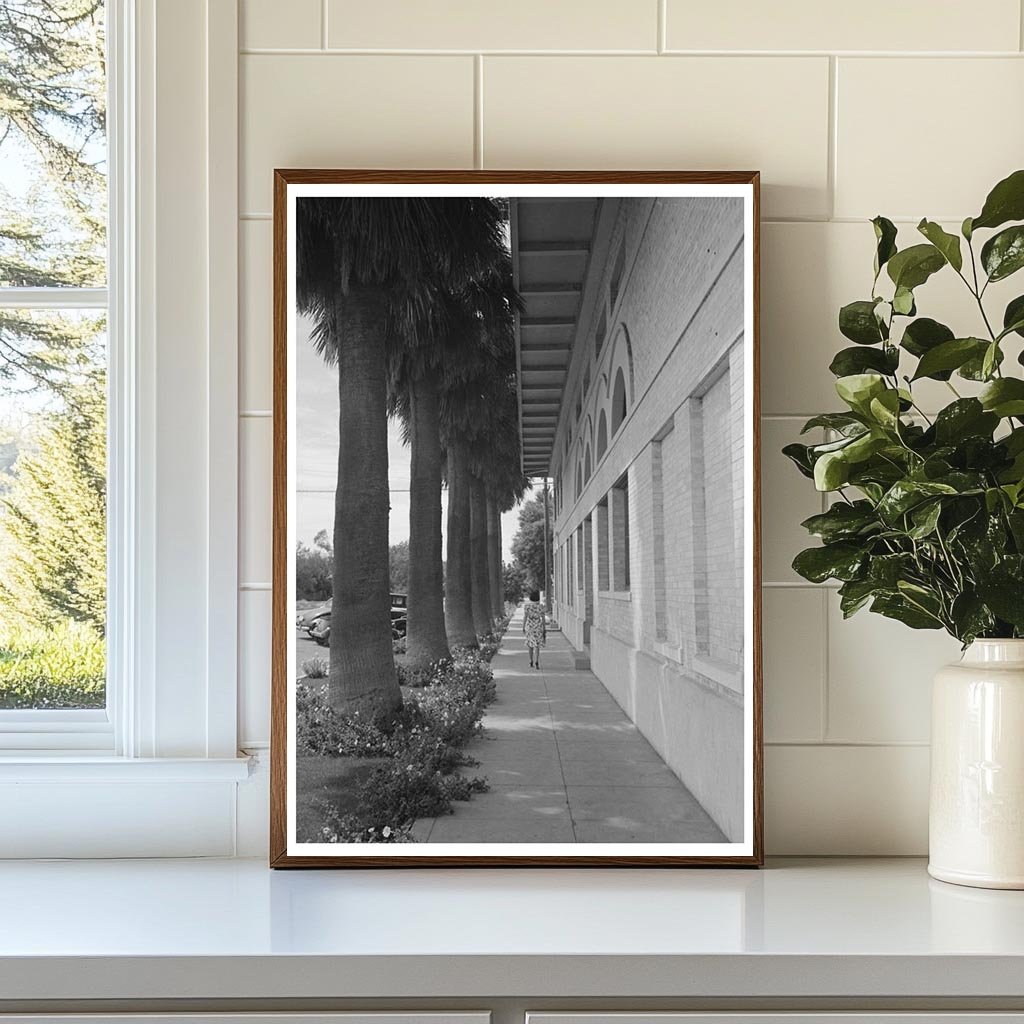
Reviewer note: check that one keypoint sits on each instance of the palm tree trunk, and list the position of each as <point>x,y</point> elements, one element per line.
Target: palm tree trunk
<point>362,672</point>
<point>494,556</point>
<point>427,642</point>
<point>458,586</point>
<point>480,576</point>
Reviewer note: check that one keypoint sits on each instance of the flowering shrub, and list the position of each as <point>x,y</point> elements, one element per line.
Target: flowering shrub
<point>422,744</point>
<point>315,668</point>
<point>415,678</point>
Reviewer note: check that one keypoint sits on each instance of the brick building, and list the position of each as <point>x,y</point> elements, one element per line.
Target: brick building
<point>632,349</point>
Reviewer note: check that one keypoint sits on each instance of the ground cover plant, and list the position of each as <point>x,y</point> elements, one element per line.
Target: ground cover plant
<point>378,773</point>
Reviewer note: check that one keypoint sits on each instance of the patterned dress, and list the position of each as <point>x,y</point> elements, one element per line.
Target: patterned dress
<point>533,623</point>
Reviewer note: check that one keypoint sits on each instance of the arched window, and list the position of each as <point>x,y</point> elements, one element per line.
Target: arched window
<point>618,401</point>
<point>602,435</point>
<point>586,466</point>
<point>579,481</point>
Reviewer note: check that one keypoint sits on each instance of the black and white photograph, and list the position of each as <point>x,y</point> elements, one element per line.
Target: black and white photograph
<point>515,549</point>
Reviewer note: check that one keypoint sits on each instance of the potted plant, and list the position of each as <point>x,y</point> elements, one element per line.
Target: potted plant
<point>926,519</point>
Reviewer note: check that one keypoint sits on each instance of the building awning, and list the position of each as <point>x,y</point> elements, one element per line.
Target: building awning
<point>552,244</point>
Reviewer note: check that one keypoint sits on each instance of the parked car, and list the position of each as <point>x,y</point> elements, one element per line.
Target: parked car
<point>319,624</point>
<point>305,619</point>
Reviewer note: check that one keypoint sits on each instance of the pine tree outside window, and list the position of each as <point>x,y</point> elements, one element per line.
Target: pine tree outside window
<point>53,369</point>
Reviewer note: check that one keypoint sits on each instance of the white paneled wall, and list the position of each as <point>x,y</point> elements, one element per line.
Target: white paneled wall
<point>905,109</point>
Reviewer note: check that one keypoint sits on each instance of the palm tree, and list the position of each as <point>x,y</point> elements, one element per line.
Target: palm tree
<point>471,393</point>
<point>480,581</point>
<point>444,340</point>
<point>426,640</point>
<point>358,261</point>
<point>483,451</point>
<point>505,483</point>
<point>494,554</point>
<point>458,584</point>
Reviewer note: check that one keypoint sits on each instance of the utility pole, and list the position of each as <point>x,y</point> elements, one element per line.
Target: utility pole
<point>547,547</point>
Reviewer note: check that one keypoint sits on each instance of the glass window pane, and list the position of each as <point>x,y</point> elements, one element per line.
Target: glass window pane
<point>53,149</point>
<point>52,509</point>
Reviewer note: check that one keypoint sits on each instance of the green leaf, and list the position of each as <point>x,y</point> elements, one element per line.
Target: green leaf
<point>887,570</point>
<point>800,456</point>
<point>899,608</point>
<point>885,237</point>
<point>906,494</point>
<point>947,244</point>
<point>950,355</point>
<point>990,360</point>
<point>857,321</point>
<point>1004,397</point>
<point>925,518</point>
<point>855,594</point>
<point>912,267</point>
<point>1003,254</point>
<point>885,409</point>
<point>1013,317</point>
<point>858,389</point>
<point>903,302</point>
<point>831,471</point>
<point>965,229</point>
<point>970,617</point>
<point>849,361</point>
<point>842,561</point>
<point>1005,202</point>
<point>966,417</point>
<point>841,421</point>
<point>1005,597</point>
<point>925,334</point>
<point>974,368</point>
<point>842,521</point>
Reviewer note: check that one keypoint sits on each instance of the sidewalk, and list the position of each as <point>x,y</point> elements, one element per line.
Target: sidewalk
<point>565,764</point>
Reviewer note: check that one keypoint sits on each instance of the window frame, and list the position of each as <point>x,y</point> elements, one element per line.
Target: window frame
<point>167,153</point>
<point>93,730</point>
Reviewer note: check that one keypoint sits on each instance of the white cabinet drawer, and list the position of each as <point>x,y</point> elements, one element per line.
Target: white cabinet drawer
<point>853,1017</point>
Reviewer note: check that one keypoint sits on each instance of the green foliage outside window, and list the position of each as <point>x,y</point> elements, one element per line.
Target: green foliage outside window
<point>53,205</point>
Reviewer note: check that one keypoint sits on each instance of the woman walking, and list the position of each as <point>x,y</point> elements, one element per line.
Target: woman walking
<point>535,628</point>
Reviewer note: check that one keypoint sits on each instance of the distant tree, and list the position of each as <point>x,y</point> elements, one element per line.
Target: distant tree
<point>314,569</point>
<point>528,543</point>
<point>513,581</point>
<point>398,559</point>
<point>52,126</point>
<point>53,519</point>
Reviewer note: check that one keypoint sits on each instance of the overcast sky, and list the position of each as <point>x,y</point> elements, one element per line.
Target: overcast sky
<point>317,443</point>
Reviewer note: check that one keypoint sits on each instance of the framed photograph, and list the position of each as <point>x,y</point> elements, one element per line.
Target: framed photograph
<point>516,613</point>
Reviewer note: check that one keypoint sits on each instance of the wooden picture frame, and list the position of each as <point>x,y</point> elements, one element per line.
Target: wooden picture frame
<point>631,194</point>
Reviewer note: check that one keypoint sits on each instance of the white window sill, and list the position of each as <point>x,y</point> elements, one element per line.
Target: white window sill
<point>625,596</point>
<point>74,766</point>
<point>727,676</point>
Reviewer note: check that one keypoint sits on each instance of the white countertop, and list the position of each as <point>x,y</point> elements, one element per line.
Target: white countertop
<point>234,929</point>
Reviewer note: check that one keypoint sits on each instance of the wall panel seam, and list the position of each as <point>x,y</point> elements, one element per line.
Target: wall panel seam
<point>354,51</point>
<point>833,134</point>
<point>851,744</point>
<point>478,111</point>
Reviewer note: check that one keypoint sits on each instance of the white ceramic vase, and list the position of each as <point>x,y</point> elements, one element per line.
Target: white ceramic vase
<point>976,816</point>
